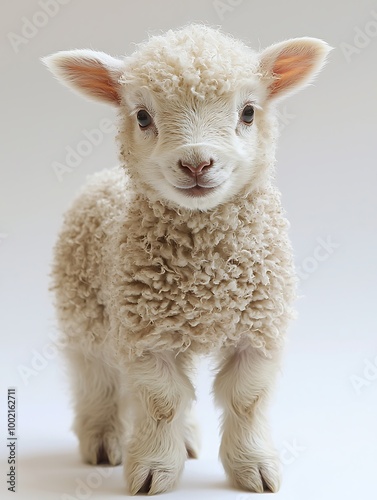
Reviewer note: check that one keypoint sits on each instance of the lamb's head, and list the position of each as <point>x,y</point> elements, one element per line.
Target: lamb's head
<point>195,108</point>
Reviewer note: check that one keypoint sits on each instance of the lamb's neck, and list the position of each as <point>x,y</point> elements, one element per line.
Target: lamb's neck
<point>227,217</point>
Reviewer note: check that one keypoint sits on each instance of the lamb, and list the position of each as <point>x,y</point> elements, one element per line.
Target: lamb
<point>181,251</point>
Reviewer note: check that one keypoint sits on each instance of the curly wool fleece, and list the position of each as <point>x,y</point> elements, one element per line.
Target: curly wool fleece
<point>148,276</point>
<point>133,272</point>
<point>197,59</point>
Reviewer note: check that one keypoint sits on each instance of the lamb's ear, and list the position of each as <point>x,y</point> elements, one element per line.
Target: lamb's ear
<point>94,74</point>
<point>290,65</point>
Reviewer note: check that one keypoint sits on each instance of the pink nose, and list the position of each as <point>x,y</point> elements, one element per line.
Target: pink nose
<point>198,169</point>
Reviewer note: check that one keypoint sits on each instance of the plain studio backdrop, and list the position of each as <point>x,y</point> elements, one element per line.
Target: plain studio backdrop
<point>324,412</point>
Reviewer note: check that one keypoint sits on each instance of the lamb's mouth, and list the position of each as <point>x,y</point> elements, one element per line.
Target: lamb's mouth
<point>197,191</point>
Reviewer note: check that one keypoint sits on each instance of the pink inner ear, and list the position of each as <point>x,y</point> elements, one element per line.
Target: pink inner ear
<point>289,69</point>
<point>94,78</point>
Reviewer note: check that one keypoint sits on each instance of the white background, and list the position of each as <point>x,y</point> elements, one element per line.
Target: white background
<point>324,414</point>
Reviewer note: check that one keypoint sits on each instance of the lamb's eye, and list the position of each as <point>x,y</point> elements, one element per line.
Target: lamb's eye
<point>144,118</point>
<point>247,115</point>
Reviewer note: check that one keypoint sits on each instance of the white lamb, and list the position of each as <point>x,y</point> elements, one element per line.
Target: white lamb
<point>182,251</point>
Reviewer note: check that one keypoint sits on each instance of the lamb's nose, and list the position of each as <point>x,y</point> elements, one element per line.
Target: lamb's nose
<point>198,169</point>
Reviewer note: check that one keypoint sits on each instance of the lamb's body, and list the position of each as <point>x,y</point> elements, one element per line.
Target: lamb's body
<point>181,251</point>
<point>148,276</point>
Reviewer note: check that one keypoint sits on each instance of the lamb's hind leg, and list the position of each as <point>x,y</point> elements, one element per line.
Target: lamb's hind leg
<point>191,433</point>
<point>156,453</point>
<point>98,422</point>
<point>188,363</point>
<point>242,387</point>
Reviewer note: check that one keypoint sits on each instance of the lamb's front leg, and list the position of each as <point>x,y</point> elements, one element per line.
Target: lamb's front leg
<point>243,387</point>
<point>156,452</point>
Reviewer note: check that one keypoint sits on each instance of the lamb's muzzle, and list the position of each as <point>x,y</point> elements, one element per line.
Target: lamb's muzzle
<point>196,170</point>
<point>197,183</point>
<point>181,251</point>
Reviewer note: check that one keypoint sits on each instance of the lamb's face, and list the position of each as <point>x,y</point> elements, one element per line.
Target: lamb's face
<point>192,151</point>
<point>193,106</point>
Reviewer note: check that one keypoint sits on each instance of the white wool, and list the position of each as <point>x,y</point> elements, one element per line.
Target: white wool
<point>182,250</point>
<point>164,278</point>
